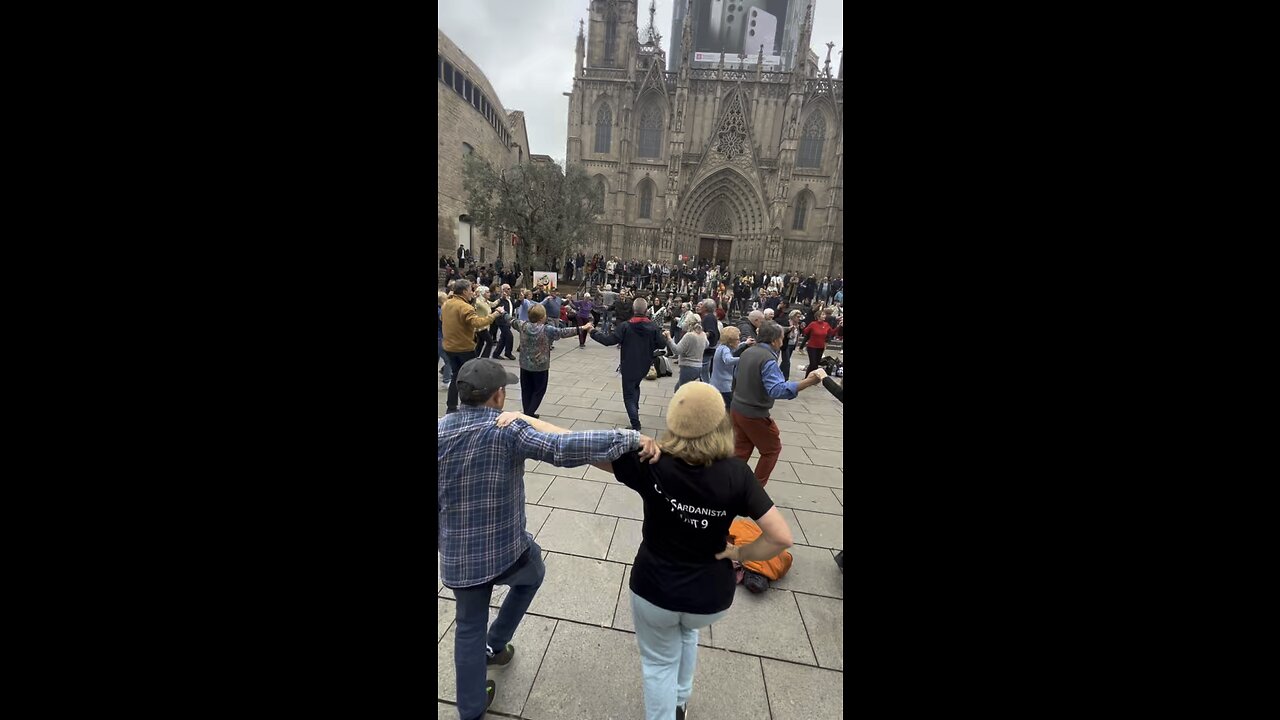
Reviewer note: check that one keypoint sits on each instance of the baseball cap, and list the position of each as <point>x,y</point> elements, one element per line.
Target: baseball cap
<point>484,376</point>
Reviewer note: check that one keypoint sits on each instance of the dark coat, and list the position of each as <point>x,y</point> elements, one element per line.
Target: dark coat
<point>639,340</point>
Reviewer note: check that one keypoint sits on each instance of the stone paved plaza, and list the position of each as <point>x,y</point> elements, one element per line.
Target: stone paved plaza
<point>778,655</point>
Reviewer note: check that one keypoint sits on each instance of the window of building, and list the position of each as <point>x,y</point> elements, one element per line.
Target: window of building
<point>448,74</point>
<point>651,131</point>
<point>600,188</point>
<point>467,149</point>
<point>610,39</point>
<point>604,128</point>
<point>811,139</point>
<point>802,209</point>
<point>646,199</point>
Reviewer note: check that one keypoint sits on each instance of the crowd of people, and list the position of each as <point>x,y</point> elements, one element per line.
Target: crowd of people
<point>731,336</point>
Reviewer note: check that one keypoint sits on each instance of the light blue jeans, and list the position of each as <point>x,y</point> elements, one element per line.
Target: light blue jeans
<point>668,654</point>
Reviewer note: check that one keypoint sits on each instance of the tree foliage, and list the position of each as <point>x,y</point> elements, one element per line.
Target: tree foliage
<point>550,210</point>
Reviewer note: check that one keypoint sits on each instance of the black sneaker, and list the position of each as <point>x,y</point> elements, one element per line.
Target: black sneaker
<point>680,714</point>
<point>500,658</point>
<point>509,357</point>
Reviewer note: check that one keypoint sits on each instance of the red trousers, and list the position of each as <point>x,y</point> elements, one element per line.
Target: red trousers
<point>759,434</point>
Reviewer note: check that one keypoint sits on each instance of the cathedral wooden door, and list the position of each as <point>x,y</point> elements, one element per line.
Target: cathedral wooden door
<point>715,249</point>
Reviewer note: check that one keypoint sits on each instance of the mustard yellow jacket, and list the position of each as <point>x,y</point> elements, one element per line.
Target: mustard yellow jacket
<point>460,323</point>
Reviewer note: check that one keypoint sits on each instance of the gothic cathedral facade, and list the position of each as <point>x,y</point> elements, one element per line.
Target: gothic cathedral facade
<point>730,163</point>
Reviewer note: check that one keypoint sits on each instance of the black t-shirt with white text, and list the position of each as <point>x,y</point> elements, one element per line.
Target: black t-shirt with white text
<point>687,513</point>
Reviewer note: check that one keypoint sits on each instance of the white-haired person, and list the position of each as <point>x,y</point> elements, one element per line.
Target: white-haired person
<point>683,576</point>
<point>484,336</point>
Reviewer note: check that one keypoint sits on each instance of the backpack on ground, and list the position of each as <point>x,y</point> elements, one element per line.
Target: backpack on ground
<point>664,366</point>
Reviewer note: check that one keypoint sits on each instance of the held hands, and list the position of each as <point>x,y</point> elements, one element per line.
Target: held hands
<point>649,449</point>
<point>730,553</point>
<point>820,374</point>
<point>507,418</point>
<point>588,327</point>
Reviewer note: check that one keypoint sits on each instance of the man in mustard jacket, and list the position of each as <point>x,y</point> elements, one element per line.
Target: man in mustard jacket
<point>460,323</point>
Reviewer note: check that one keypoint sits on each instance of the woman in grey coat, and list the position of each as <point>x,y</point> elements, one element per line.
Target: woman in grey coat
<point>689,351</point>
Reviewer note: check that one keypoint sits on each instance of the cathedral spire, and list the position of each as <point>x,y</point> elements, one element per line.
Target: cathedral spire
<point>760,63</point>
<point>580,51</point>
<point>826,66</point>
<point>686,41</point>
<point>802,48</point>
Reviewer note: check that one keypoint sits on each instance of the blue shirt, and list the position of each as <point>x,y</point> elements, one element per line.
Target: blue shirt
<point>524,309</point>
<point>553,307</point>
<point>440,322</point>
<point>778,387</point>
<point>480,486</point>
<point>723,368</point>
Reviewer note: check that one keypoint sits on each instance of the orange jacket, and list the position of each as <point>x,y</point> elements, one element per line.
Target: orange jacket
<point>743,532</point>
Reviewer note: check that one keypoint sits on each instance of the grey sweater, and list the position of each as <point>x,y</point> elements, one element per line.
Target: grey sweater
<point>689,351</point>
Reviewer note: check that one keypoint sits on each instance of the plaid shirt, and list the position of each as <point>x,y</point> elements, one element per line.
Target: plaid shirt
<point>480,486</point>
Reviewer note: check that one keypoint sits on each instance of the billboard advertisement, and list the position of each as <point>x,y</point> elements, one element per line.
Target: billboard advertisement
<point>743,27</point>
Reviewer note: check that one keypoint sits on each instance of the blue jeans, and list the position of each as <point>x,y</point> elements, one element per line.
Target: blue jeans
<point>472,616</point>
<point>448,367</point>
<point>688,374</point>
<point>631,401</point>
<point>705,375</point>
<point>668,654</point>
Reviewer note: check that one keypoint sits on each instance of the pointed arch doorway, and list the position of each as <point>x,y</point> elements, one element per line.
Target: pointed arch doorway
<point>715,241</point>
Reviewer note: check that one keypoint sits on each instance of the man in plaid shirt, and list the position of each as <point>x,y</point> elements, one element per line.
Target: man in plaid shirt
<point>480,497</point>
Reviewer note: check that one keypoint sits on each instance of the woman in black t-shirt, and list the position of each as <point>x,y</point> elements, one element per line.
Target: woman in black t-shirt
<point>683,577</point>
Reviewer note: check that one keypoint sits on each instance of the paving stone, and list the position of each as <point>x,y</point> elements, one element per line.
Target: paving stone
<point>839,493</point>
<point>573,494</point>
<point>548,410</point>
<point>825,457</point>
<point>727,686</point>
<point>450,712</point>
<point>803,693</point>
<point>813,570</point>
<point>793,454</point>
<point>583,425</point>
<point>535,484</point>
<point>577,401</point>
<point>578,413</point>
<point>616,417</point>
<point>621,500</point>
<point>626,541</point>
<point>767,624</point>
<point>578,589</point>
<point>534,517</point>
<point>790,426</point>
<point>827,430</point>
<point>808,418</point>
<point>795,439</point>
<point>781,471</point>
<point>578,533</point>
<point>818,475</point>
<point>821,529</point>
<point>797,533</point>
<point>547,468</point>
<point>803,497</point>
<point>514,679</point>
<point>597,475</point>
<point>444,616</point>
<point>588,672</point>
<point>622,619</point>
<point>824,619</point>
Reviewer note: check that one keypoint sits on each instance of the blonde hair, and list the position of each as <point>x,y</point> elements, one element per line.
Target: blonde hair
<point>693,324</point>
<point>705,450</point>
<point>731,335</point>
<point>537,313</point>
<point>441,297</point>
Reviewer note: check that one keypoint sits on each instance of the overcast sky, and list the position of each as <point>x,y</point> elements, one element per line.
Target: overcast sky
<point>525,48</point>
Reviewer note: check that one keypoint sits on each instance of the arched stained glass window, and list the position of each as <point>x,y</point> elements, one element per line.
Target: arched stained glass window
<point>802,209</point>
<point>651,131</point>
<point>811,139</point>
<point>646,199</point>
<point>604,126</point>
